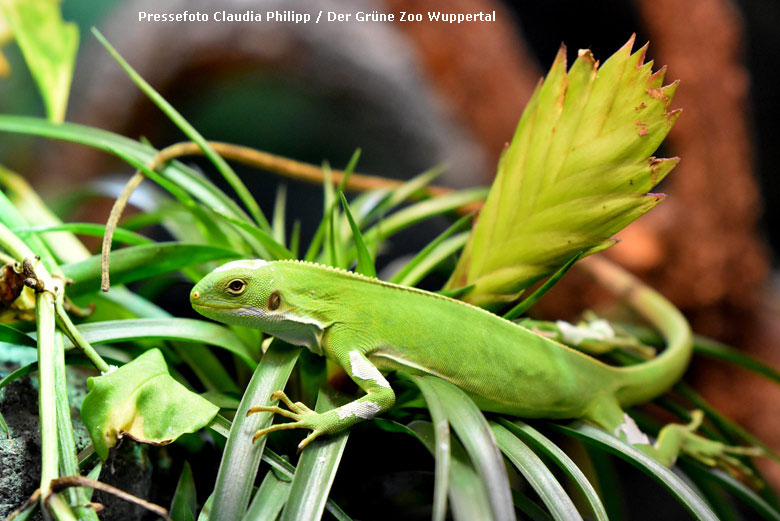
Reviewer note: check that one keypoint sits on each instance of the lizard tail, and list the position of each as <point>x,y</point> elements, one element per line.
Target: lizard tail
<point>643,382</point>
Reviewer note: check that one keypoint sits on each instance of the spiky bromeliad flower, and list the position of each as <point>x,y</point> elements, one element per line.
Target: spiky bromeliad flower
<point>577,171</point>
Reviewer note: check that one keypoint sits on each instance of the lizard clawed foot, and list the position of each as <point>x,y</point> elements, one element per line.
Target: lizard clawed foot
<point>304,418</point>
<point>712,452</point>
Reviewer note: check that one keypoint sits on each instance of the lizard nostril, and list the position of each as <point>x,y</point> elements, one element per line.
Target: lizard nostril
<point>196,294</point>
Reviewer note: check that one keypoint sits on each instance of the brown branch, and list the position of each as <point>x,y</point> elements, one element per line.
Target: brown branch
<point>60,484</point>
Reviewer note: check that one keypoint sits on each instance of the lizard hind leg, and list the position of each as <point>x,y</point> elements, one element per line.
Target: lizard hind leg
<point>672,440</point>
<point>676,438</point>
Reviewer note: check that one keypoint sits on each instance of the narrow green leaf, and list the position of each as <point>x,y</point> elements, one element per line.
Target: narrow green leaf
<point>10,217</point>
<point>440,253</point>
<point>141,400</point>
<point>477,438</point>
<point>538,475</point>
<point>279,214</point>
<point>295,238</point>
<point>530,508</point>
<point>349,169</point>
<point>365,265</point>
<point>269,499</point>
<point>188,179</point>
<point>69,465</point>
<point>49,47</point>
<point>65,246</point>
<point>201,220</point>
<point>141,262</point>
<point>545,446</point>
<point>276,250</point>
<point>735,487</point>
<point>713,349</point>
<point>389,200</point>
<point>94,230</point>
<point>679,489</point>
<point>423,210</point>
<point>455,292</point>
<point>94,474</point>
<point>420,258</point>
<point>315,471</point>
<point>10,335</point>
<point>468,496</point>
<point>534,297</point>
<point>241,457</point>
<point>313,251</point>
<point>442,444</point>
<point>184,504</point>
<point>230,176</point>
<point>185,329</point>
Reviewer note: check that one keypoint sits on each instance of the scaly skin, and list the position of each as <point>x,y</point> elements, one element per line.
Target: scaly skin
<point>368,326</point>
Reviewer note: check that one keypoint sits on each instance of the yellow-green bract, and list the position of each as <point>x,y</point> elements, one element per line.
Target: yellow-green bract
<point>577,171</point>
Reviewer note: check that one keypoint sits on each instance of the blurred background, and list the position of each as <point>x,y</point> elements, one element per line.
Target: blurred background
<point>414,95</point>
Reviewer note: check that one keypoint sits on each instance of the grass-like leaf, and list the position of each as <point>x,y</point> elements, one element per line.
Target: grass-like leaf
<point>441,451</point>
<point>269,499</point>
<point>241,457</point>
<point>534,297</point>
<point>11,335</point>
<point>65,246</point>
<point>422,257</point>
<point>141,262</point>
<point>280,207</point>
<point>478,440</point>
<point>190,180</point>
<point>735,487</point>
<point>230,176</point>
<point>184,504</point>
<point>184,329</point>
<point>315,471</point>
<point>468,497</point>
<point>92,229</point>
<point>543,445</point>
<point>538,475</point>
<point>577,171</point>
<point>365,265</point>
<point>269,246</point>
<point>678,488</point>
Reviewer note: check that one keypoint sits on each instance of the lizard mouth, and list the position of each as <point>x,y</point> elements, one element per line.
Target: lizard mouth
<point>215,306</point>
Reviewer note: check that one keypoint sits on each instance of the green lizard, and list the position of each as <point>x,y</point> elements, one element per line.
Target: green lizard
<point>368,327</point>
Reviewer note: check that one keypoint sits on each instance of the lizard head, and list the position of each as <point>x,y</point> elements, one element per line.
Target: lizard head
<point>253,293</point>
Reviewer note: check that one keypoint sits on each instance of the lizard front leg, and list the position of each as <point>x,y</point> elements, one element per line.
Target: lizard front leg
<point>379,398</point>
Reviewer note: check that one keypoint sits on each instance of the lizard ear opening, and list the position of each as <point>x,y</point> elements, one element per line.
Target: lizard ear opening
<point>274,301</point>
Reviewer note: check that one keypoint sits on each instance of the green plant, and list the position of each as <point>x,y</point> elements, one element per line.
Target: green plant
<point>208,226</point>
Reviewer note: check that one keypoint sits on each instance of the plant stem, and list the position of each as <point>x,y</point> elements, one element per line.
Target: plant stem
<point>78,339</point>
<point>69,465</point>
<point>44,315</point>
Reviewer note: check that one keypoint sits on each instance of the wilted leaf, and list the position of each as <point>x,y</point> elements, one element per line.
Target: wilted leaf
<point>577,171</point>
<point>49,46</point>
<point>142,401</point>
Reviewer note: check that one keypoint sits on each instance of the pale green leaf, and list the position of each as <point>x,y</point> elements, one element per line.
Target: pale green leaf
<point>142,401</point>
<point>49,47</point>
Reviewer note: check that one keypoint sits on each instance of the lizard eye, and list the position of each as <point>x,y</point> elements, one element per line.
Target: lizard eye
<point>236,286</point>
<point>274,300</point>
